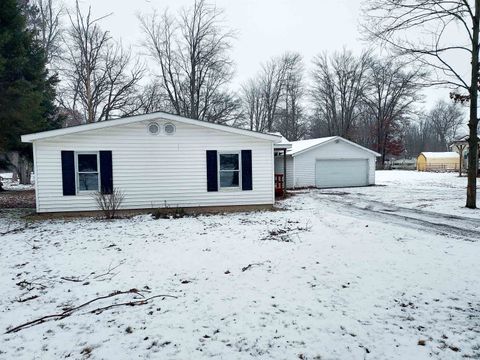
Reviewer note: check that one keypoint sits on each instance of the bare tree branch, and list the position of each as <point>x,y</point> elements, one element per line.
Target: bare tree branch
<point>192,52</point>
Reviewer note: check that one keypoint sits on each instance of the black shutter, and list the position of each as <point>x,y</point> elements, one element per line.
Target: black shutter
<point>68,173</point>
<point>212,171</point>
<point>106,173</point>
<point>247,170</point>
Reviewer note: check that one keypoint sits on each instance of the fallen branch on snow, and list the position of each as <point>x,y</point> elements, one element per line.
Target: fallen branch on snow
<point>69,311</point>
<point>31,285</point>
<point>249,266</point>
<point>27,298</point>
<point>108,275</point>
<point>15,230</point>
<point>287,232</point>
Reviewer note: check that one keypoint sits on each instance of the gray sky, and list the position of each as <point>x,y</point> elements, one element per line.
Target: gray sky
<point>265,28</point>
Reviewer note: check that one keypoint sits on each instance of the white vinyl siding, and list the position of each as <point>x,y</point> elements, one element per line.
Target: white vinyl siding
<point>303,171</point>
<point>154,171</point>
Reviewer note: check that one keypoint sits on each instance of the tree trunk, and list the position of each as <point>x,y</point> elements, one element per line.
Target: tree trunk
<point>24,172</point>
<point>473,123</point>
<point>461,161</point>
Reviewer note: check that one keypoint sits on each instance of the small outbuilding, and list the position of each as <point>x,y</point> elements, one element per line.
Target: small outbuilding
<point>438,161</point>
<point>327,163</point>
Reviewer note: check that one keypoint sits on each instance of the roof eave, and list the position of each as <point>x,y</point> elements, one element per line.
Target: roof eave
<point>29,138</point>
<point>329,141</point>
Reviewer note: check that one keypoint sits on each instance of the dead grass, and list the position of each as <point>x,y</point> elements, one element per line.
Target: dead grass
<point>17,199</point>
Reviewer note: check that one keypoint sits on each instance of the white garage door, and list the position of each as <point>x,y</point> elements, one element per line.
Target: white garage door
<point>341,173</point>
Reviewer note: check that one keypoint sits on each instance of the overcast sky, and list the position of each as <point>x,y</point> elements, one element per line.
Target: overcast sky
<point>265,28</point>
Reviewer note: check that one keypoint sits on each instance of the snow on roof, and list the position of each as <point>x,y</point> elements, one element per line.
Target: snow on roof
<point>301,145</point>
<point>283,144</point>
<point>283,138</point>
<point>304,145</point>
<point>440,155</point>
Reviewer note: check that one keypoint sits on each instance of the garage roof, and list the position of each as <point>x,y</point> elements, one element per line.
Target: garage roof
<point>301,146</point>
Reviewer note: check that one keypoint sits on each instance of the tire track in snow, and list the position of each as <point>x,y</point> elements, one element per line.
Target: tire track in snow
<point>465,228</point>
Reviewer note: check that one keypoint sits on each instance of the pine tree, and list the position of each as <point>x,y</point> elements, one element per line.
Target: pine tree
<point>26,89</point>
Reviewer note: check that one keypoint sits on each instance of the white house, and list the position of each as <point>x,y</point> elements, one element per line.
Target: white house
<point>328,162</point>
<point>156,160</point>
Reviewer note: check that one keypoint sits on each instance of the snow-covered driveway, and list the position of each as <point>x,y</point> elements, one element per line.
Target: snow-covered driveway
<point>440,193</point>
<point>317,280</point>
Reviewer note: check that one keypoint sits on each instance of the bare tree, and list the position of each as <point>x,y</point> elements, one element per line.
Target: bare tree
<point>150,98</point>
<point>290,121</point>
<point>192,51</point>
<point>253,103</point>
<point>274,81</point>
<point>445,119</point>
<point>392,90</point>
<point>122,78</point>
<point>339,83</point>
<point>87,77</point>
<point>44,17</point>
<point>263,94</point>
<point>99,77</point>
<point>450,43</point>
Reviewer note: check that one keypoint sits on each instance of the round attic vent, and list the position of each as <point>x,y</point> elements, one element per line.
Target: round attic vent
<point>169,129</point>
<point>153,128</point>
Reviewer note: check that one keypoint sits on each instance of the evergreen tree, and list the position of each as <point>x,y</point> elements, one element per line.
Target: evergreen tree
<point>27,91</point>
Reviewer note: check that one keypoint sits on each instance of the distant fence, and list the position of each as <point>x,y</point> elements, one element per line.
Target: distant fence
<point>401,165</point>
<point>441,167</point>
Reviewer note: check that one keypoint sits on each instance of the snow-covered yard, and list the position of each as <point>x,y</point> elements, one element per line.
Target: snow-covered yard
<point>9,184</point>
<point>438,192</point>
<point>323,278</point>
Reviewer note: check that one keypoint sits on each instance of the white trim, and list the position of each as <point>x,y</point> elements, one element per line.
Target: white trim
<point>35,169</point>
<point>294,179</point>
<point>230,188</point>
<point>272,172</point>
<point>147,117</point>
<point>293,153</point>
<point>77,188</point>
<point>282,146</point>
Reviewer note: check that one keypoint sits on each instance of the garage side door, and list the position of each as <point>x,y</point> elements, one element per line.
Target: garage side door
<point>341,173</point>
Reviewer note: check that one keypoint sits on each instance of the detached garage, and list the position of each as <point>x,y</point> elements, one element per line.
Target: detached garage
<point>328,162</point>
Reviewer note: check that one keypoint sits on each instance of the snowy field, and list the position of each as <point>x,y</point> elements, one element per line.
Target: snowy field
<point>392,275</point>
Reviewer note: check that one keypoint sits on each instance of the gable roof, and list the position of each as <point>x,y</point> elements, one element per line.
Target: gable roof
<point>283,144</point>
<point>440,155</point>
<point>301,146</point>
<point>146,117</point>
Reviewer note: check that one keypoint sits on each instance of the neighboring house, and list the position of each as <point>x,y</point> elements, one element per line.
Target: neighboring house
<point>438,161</point>
<point>156,160</point>
<point>460,145</point>
<point>328,162</point>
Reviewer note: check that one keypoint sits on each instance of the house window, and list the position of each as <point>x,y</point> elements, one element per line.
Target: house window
<point>229,170</point>
<point>87,172</point>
